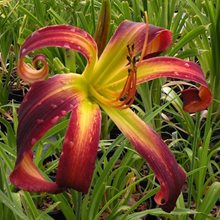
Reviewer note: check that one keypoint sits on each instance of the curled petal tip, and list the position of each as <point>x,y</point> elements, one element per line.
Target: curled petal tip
<point>64,36</point>
<point>160,40</point>
<point>195,100</point>
<point>32,74</point>
<point>169,192</point>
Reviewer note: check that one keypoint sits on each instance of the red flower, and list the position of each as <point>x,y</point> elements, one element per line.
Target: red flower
<point>108,83</point>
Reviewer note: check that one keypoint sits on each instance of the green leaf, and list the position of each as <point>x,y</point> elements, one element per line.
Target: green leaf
<point>187,38</point>
<point>44,215</point>
<point>208,203</point>
<point>158,211</point>
<point>65,206</point>
<point>12,206</point>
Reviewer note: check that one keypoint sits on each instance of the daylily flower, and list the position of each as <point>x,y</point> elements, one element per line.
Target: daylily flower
<point>107,83</point>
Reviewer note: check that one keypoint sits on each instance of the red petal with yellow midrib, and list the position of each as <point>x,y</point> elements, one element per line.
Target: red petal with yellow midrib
<point>196,99</point>
<point>80,146</point>
<point>149,145</point>
<point>45,103</point>
<point>64,36</point>
<point>128,33</point>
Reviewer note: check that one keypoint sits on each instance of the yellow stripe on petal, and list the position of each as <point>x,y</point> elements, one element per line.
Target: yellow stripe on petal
<point>80,146</point>
<point>149,145</point>
<point>114,57</point>
<point>169,67</point>
<point>194,100</point>
<point>151,39</point>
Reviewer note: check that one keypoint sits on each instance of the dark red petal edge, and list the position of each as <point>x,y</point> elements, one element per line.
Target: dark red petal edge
<point>195,100</point>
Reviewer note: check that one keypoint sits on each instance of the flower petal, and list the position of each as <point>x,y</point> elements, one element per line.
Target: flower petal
<point>65,36</point>
<point>26,176</point>
<point>32,74</point>
<point>45,103</point>
<point>114,57</point>
<point>154,150</point>
<point>161,40</point>
<point>169,67</point>
<point>78,156</point>
<point>194,99</point>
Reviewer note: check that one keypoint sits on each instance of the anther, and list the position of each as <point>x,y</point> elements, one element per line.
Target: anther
<point>126,97</point>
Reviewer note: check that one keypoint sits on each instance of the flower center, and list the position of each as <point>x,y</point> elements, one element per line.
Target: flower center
<point>125,98</point>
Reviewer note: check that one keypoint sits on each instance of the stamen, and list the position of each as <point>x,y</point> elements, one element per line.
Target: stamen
<point>126,97</point>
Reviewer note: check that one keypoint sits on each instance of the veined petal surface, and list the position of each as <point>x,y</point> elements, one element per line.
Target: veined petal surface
<point>79,152</point>
<point>46,102</point>
<point>149,145</point>
<point>114,57</point>
<point>65,36</point>
<point>169,67</point>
